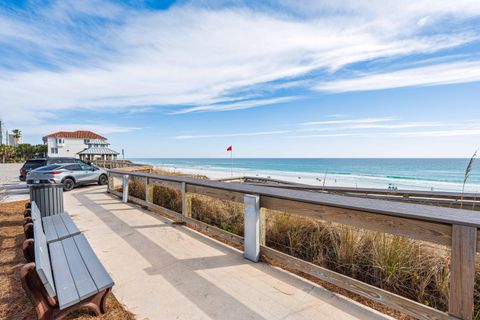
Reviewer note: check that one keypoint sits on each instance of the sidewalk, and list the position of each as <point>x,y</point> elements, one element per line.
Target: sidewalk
<point>163,271</point>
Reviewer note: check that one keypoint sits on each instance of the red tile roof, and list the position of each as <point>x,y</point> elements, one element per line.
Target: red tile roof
<point>79,134</point>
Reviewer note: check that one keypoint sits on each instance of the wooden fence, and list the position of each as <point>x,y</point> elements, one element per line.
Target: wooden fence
<point>469,201</point>
<point>453,228</point>
<point>114,164</point>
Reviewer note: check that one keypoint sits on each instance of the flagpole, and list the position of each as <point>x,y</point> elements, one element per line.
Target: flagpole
<point>231,163</point>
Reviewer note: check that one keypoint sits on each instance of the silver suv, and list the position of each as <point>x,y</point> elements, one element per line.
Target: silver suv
<point>70,174</point>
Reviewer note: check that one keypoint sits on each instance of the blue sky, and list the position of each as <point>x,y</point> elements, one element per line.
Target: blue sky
<point>273,79</point>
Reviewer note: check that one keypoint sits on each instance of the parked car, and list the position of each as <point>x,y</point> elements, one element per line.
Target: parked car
<point>70,174</point>
<point>32,164</point>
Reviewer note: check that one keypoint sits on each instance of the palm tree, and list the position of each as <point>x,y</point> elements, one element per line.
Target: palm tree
<point>17,134</point>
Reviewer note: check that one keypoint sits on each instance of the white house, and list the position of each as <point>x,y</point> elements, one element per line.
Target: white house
<point>75,144</point>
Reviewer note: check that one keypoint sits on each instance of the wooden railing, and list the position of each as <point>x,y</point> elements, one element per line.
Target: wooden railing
<point>114,164</point>
<point>470,201</point>
<point>453,228</point>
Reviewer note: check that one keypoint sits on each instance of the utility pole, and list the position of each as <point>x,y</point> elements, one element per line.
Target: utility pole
<point>1,132</point>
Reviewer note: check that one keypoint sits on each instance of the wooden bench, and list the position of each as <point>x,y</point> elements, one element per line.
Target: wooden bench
<point>63,275</point>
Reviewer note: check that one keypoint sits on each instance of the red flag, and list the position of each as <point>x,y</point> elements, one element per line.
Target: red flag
<point>229,148</point>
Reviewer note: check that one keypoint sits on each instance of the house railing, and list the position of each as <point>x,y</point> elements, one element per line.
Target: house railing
<point>448,227</point>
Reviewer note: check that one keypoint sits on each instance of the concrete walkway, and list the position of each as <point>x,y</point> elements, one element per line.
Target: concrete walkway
<point>163,271</point>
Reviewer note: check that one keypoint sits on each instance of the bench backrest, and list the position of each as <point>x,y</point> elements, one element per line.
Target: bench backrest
<point>35,212</point>
<point>42,259</point>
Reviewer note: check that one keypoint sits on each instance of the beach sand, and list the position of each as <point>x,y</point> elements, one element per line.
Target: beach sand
<point>331,180</point>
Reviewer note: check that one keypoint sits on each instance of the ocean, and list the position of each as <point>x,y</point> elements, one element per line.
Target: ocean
<point>418,174</point>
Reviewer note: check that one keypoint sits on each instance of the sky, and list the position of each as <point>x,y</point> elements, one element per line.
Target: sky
<point>309,78</point>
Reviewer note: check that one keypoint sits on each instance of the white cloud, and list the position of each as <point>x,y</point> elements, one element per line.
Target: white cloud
<point>189,55</point>
<point>441,133</point>
<point>446,73</point>
<point>347,121</point>
<point>236,105</point>
<point>102,128</point>
<point>228,135</point>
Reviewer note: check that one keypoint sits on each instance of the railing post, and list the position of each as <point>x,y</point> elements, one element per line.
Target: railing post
<point>125,188</point>
<point>109,181</point>
<point>462,271</point>
<point>185,209</point>
<point>148,191</point>
<point>263,227</point>
<point>251,227</point>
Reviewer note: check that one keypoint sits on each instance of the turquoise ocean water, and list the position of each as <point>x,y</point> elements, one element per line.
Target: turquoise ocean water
<point>440,174</point>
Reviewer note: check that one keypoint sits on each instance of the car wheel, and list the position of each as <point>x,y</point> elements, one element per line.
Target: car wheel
<point>103,180</point>
<point>68,184</point>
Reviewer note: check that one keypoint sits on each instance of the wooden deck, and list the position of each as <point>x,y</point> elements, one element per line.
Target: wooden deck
<point>165,271</point>
<point>453,228</point>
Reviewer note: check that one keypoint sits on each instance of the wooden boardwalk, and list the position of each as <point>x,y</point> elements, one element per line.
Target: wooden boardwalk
<point>165,271</point>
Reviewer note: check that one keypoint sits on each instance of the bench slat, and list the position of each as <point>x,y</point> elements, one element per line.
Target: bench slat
<point>42,261</point>
<point>62,231</point>
<point>69,224</point>
<point>35,212</point>
<point>82,278</point>
<point>49,228</point>
<point>67,294</point>
<point>100,276</point>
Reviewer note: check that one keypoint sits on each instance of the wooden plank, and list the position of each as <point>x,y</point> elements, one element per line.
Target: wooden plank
<point>49,228</point>
<point>67,294</point>
<point>462,272</point>
<point>420,230</point>
<point>69,224</point>
<point>263,227</point>
<point>42,260</point>
<point>167,184</point>
<point>216,193</point>
<point>81,277</point>
<point>185,211</point>
<point>99,275</point>
<point>402,304</point>
<point>393,208</point>
<point>149,192</point>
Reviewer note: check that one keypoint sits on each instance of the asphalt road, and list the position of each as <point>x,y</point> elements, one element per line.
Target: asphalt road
<point>11,189</point>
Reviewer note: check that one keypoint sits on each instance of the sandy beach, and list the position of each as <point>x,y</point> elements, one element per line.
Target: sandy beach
<point>333,180</point>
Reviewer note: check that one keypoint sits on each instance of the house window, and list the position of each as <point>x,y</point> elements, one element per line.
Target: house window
<point>53,150</point>
<point>86,141</point>
<point>60,140</point>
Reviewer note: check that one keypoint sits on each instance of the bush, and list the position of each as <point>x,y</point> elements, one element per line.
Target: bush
<point>227,215</point>
<point>136,188</point>
<point>167,198</point>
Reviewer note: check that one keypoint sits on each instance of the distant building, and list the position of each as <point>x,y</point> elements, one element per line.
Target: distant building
<point>12,141</point>
<point>98,150</point>
<point>76,143</point>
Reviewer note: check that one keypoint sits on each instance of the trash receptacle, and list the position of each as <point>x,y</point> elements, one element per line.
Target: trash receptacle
<point>48,197</point>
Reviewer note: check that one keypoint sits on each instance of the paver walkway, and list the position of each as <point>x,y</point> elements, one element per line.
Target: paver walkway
<point>163,271</point>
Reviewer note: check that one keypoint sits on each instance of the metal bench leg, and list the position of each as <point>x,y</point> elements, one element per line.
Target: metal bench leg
<point>104,300</point>
<point>27,220</point>
<point>28,230</point>
<point>35,291</point>
<point>47,307</point>
<point>28,250</point>
<point>95,303</point>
